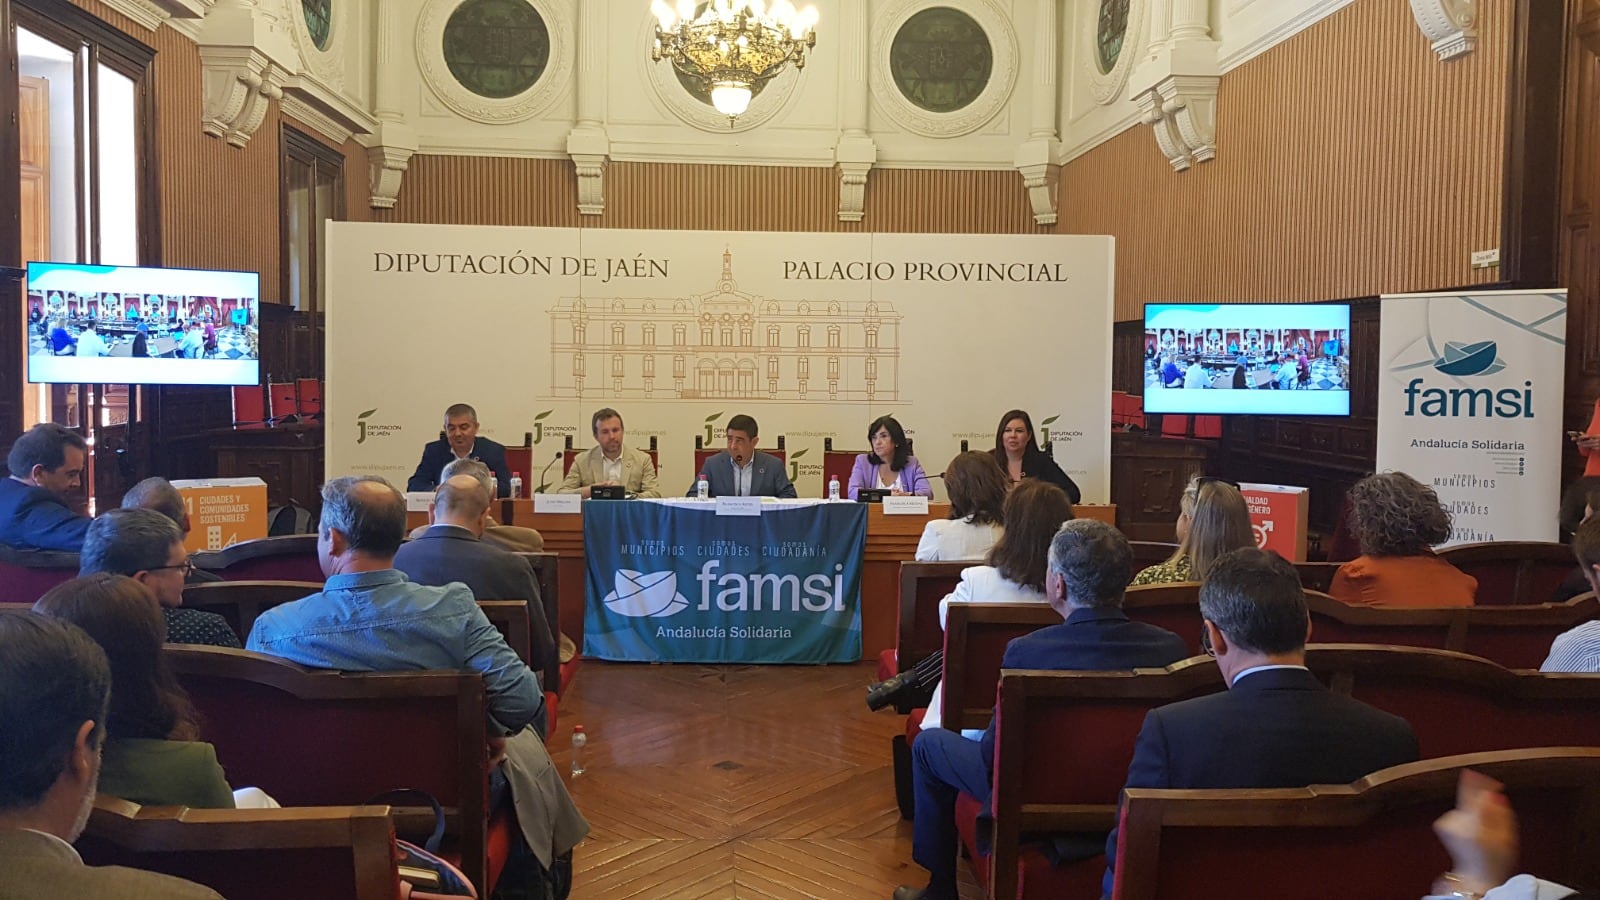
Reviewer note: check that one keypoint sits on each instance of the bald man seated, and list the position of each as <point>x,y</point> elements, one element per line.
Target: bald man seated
<point>451,549</point>
<point>507,537</point>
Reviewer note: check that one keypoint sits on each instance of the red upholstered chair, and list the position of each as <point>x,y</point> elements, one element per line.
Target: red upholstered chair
<point>1175,607</point>
<point>1119,410</point>
<point>917,632</point>
<point>308,853</point>
<point>309,391</point>
<point>546,572</point>
<point>975,639</point>
<point>25,575</point>
<point>837,464</point>
<point>282,400</point>
<point>249,407</point>
<point>290,557</point>
<point>1209,427</point>
<point>1173,425</point>
<point>519,458</point>
<point>1371,838</point>
<point>316,737</point>
<point>1513,572</point>
<point>1135,411</point>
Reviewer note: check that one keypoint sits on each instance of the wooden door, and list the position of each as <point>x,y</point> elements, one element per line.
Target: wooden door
<point>33,119</point>
<point>1580,195</point>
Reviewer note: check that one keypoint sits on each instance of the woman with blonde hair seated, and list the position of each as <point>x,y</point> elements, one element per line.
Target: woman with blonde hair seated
<point>153,755</point>
<point>1398,520</point>
<point>1212,520</point>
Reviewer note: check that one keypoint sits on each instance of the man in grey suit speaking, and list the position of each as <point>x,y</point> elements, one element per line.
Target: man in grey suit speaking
<point>742,470</point>
<point>55,684</point>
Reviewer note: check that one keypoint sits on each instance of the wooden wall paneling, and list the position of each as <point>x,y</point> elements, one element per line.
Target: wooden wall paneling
<point>11,311</point>
<point>1579,252</point>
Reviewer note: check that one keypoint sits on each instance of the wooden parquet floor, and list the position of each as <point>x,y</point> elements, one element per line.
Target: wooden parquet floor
<point>735,782</point>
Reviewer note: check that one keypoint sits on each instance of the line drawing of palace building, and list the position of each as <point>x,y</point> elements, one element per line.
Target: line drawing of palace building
<point>725,343</point>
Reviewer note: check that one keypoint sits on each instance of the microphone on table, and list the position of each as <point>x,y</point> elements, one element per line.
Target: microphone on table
<point>547,469</point>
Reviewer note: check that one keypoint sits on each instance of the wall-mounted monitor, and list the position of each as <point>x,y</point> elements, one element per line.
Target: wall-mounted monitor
<point>1264,358</point>
<point>133,325</point>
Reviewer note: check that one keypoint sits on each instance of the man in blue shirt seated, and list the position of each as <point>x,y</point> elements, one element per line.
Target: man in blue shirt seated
<point>46,467</point>
<point>370,618</point>
<point>1090,566</point>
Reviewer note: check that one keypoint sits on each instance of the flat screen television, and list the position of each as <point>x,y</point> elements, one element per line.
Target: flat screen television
<point>134,325</point>
<point>1263,358</point>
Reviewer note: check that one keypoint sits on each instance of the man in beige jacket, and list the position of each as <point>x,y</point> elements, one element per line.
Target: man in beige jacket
<point>610,463</point>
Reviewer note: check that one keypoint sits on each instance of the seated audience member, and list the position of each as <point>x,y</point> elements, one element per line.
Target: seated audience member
<point>1588,443</point>
<point>450,551</point>
<point>1195,377</point>
<point>742,470</point>
<point>192,344</point>
<point>90,343</point>
<point>1212,520</point>
<point>611,463</point>
<point>370,618</point>
<point>1587,494</point>
<point>55,685</point>
<point>46,470</point>
<point>61,340</point>
<point>153,755</point>
<point>1171,375</point>
<point>515,538</point>
<point>1090,563</point>
<point>977,489</point>
<point>157,493</point>
<point>1578,649</point>
<point>147,547</point>
<point>1481,836</point>
<point>1397,520</point>
<point>1276,725</point>
<point>460,441</point>
<point>141,342</point>
<point>1015,573</point>
<point>890,466</point>
<point>1017,451</point>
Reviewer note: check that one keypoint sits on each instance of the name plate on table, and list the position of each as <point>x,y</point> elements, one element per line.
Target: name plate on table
<point>738,506</point>
<point>568,504</point>
<point>417,501</point>
<point>905,506</point>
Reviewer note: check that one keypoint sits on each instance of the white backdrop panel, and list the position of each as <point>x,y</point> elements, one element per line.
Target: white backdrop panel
<point>813,334</point>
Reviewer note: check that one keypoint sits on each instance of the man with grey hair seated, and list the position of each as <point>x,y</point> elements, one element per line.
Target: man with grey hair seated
<point>507,537</point>
<point>148,547</point>
<point>1090,566</point>
<point>157,494</point>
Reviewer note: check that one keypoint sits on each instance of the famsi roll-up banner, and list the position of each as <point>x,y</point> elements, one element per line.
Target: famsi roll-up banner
<point>675,582</point>
<point>1470,403</point>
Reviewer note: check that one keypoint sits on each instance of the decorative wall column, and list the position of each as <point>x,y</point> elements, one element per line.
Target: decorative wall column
<point>246,54</point>
<point>1175,86</point>
<point>855,154</point>
<point>393,142</point>
<point>588,144</point>
<point>1452,25</point>
<point>1038,159</point>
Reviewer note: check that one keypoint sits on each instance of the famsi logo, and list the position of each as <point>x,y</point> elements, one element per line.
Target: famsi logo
<point>1479,358</point>
<point>641,596</point>
<point>361,424</point>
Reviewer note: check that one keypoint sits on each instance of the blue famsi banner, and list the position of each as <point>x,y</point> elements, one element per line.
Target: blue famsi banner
<point>675,582</point>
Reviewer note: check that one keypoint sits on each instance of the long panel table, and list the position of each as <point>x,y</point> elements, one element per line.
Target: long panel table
<point>891,540</point>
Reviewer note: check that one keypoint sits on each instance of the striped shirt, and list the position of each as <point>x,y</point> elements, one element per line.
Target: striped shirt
<point>1577,650</point>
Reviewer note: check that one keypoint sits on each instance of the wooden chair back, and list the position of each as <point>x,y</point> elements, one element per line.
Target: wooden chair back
<point>922,586</point>
<point>975,638</point>
<point>28,574</point>
<point>316,737</point>
<point>309,853</point>
<point>309,391</point>
<point>1317,576</point>
<point>1517,637</point>
<point>837,464</point>
<point>1513,572</point>
<point>1174,606</point>
<point>510,618</point>
<point>241,602</point>
<point>249,407</point>
<point>519,459</point>
<point>289,557</point>
<point>1150,553</point>
<point>1371,838</point>
<point>546,573</point>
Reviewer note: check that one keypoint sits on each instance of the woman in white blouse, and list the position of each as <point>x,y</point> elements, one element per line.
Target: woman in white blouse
<point>977,487</point>
<point>1034,511</point>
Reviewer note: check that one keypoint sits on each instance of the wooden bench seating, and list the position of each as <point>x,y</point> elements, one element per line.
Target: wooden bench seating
<point>1454,702</point>
<point>317,737</point>
<point>308,853</point>
<point>1516,637</point>
<point>1513,572</point>
<point>917,632</point>
<point>1371,838</point>
<point>27,574</point>
<point>546,573</point>
<point>290,557</point>
<point>1317,576</point>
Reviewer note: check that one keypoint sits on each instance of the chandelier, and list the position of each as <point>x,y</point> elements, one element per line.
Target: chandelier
<point>733,45</point>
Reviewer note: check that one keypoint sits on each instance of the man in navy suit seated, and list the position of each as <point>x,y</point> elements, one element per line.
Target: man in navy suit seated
<point>46,468</point>
<point>1091,564</point>
<point>461,441</point>
<point>1276,725</point>
<point>742,470</point>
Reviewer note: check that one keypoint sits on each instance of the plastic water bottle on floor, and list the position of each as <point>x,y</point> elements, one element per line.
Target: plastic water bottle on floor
<point>833,488</point>
<point>516,485</point>
<point>579,741</point>
<point>702,487</point>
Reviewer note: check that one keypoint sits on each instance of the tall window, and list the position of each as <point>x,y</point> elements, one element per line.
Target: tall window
<point>312,192</point>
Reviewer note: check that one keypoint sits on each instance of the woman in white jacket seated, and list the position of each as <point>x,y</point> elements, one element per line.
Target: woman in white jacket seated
<point>977,487</point>
<point>1034,511</point>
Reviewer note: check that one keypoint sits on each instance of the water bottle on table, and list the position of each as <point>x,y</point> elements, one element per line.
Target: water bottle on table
<point>579,741</point>
<point>833,487</point>
<point>516,485</point>
<point>702,487</point>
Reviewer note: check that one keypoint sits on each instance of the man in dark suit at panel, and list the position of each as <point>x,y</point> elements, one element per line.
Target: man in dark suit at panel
<point>451,550</point>
<point>461,441</point>
<point>46,469</point>
<point>1276,725</point>
<point>742,470</point>
<point>1091,564</point>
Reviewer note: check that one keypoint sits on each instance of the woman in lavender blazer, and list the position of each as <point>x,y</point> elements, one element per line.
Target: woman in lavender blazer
<point>890,464</point>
